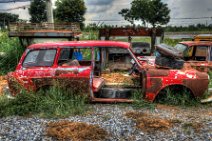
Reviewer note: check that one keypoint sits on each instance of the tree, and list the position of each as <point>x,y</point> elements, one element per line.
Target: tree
<point>6,18</point>
<point>38,11</point>
<point>153,12</point>
<point>70,11</point>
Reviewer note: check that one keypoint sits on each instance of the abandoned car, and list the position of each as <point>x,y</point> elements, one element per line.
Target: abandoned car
<point>93,67</point>
<point>197,53</point>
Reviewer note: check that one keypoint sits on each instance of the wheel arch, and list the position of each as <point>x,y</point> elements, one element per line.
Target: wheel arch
<point>172,85</point>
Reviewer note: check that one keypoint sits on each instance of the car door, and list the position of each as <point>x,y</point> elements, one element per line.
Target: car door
<point>74,69</point>
<point>37,69</point>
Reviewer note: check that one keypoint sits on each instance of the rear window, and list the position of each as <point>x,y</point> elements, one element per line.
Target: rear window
<point>181,47</point>
<point>41,58</point>
<point>201,53</point>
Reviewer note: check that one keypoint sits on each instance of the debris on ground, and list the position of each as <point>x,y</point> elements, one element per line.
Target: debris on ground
<point>76,131</point>
<point>117,78</point>
<point>149,123</point>
<point>3,84</point>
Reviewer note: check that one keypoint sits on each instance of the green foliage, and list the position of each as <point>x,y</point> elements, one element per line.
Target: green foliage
<point>70,11</point>
<point>54,102</point>
<point>90,35</point>
<point>149,11</point>
<point>177,95</point>
<point>140,102</point>
<point>38,11</point>
<point>6,18</point>
<point>12,52</point>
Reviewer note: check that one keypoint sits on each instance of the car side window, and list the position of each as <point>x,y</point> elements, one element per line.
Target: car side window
<point>40,58</point>
<point>201,53</point>
<point>75,57</point>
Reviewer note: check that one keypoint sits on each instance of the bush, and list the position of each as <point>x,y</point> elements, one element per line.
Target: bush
<point>54,102</point>
<point>12,51</point>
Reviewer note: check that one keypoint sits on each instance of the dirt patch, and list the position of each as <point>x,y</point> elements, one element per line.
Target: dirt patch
<point>76,131</point>
<point>149,123</point>
<point>168,107</point>
<point>3,84</point>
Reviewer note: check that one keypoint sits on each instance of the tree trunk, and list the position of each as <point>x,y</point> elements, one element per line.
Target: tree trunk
<point>153,39</point>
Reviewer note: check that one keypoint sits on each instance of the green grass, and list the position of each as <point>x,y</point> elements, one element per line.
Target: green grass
<point>178,96</point>
<point>140,102</point>
<point>54,102</point>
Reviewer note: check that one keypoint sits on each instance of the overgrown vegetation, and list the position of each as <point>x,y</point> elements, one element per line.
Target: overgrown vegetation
<point>140,102</point>
<point>178,96</point>
<point>11,52</point>
<point>54,102</point>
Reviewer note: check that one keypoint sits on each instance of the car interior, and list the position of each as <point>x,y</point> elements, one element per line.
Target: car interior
<point>111,73</point>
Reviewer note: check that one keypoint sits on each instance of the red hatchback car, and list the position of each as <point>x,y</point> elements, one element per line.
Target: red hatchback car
<point>101,69</point>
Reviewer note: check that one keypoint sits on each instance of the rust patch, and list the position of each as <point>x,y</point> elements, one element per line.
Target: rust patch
<point>75,85</point>
<point>40,82</point>
<point>156,84</point>
<point>149,123</point>
<point>158,72</point>
<point>197,86</point>
<point>76,131</point>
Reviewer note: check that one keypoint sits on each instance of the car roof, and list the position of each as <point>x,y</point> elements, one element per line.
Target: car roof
<point>80,44</point>
<point>193,43</point>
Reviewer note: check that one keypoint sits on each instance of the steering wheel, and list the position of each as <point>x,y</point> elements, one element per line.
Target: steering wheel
<point>133,69</point>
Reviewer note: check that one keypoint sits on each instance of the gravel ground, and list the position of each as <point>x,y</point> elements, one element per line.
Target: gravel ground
<point>111,117</point>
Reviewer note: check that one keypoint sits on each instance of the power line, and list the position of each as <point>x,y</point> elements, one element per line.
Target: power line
<point>191,18</point>
<point>112,20</point>
<point>11,1</point>
<point>19,7</point>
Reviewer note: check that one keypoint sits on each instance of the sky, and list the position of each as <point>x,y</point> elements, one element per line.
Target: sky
<point>106,11</point>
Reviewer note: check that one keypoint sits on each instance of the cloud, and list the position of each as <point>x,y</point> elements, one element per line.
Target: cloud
<point>99,2</point>
<point>108,10</point>
<point>23,13</point>
<point>189,9</point>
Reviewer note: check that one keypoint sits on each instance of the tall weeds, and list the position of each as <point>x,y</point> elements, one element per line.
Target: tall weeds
<point>54,102</point>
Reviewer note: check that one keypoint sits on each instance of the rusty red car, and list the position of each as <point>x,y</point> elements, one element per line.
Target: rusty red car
<point>100,69</point>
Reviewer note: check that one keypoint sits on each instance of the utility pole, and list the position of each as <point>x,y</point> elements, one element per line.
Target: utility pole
<point>49,9</point>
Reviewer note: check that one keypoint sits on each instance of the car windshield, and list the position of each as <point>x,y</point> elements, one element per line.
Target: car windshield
<point>40,57</point>
<point>181,47</point>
